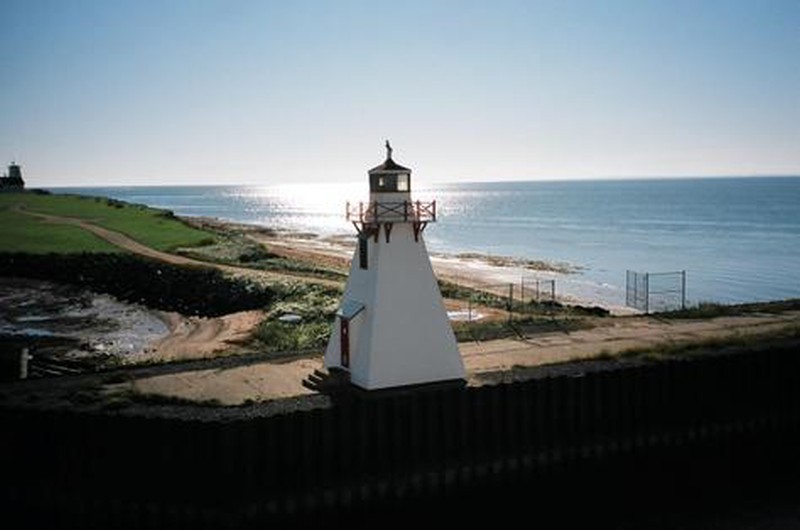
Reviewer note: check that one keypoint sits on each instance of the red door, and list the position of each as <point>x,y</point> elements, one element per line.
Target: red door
<point>344,342</point>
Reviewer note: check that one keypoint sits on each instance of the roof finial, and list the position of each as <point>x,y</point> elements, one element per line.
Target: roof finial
<point>388,150</point>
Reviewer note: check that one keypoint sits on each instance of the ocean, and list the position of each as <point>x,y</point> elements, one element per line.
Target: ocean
<point>738,239</point>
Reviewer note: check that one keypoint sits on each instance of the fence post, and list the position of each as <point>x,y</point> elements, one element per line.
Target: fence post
<point>627,288</point>
<point>683,289</point>
<point>646,293</point>
<point>510,301</point>
<point>24,359</point>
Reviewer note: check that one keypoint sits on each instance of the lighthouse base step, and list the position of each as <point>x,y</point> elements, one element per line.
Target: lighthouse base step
<point>327,381</point>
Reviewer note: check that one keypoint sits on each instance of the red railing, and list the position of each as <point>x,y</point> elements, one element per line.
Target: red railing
<point>392,212</point>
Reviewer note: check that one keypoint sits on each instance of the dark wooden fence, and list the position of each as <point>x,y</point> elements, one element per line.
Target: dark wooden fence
<point>395,449</point>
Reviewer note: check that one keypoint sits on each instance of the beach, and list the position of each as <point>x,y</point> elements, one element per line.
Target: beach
<point>493,273</point>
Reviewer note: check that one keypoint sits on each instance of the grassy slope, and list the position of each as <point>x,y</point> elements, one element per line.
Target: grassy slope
<point>22,233</point>
<point>146,225</point>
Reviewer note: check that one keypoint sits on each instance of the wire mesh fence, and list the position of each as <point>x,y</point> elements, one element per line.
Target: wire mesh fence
<point>653,292</point>
<point>473,301</point>
<point>537,290</point>
<point>521,310</point>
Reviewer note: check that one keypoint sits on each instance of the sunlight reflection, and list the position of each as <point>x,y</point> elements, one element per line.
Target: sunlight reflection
<point>314,207</point>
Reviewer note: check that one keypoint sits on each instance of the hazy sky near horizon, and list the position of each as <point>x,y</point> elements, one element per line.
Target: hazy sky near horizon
<point>121,92</point>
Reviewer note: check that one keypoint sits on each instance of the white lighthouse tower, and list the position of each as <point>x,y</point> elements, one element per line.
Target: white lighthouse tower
<point>391,328</point>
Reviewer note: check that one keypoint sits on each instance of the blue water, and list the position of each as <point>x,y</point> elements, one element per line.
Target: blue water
<point>738,239</point>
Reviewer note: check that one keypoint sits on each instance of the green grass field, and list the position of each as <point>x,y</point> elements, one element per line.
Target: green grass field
<point>23,233</point>
<point>20,232</point>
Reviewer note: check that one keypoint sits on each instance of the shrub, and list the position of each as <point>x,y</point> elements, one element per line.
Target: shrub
<point>188,290</point>
<point>254,254</point>
<point>279,336</point>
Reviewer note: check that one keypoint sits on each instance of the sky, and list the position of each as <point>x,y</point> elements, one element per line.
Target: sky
<point>145,92</point>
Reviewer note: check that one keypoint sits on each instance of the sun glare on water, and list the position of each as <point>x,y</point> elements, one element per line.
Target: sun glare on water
<point>312,207</point>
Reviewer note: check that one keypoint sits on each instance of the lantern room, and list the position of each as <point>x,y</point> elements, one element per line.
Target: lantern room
<point>389,177</point>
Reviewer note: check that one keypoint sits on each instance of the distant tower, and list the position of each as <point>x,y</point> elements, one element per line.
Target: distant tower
<point>13,180</point>
<point>391,328</point>
<point>14,171</point>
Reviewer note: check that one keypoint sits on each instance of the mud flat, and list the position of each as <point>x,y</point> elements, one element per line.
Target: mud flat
<point>64,324</point>
<point>78,323</point>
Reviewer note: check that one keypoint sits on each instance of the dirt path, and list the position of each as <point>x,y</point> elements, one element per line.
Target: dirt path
<point>198,337</point>
<point>622,334</point>
<point>235,385</point>
<point>271,380</point>
<point>115,238</point>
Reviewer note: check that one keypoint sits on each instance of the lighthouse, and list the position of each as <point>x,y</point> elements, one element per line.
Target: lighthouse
<point>391,328</point>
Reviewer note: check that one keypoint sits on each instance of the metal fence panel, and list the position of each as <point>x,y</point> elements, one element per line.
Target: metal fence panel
<point>655,291</point>
<point>537,290</point>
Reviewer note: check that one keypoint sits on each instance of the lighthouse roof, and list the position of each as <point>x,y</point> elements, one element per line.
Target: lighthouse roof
<point>389,165</point>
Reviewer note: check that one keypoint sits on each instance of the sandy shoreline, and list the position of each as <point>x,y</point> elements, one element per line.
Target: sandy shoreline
<point>477,270</point>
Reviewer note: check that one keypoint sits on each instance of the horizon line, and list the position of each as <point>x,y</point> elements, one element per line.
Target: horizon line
<point>606,178</point>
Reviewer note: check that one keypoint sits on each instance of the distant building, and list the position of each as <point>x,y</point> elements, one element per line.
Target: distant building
<point>12,181</point>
